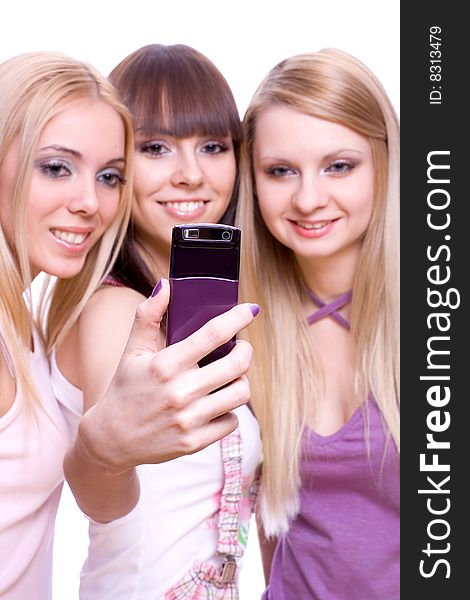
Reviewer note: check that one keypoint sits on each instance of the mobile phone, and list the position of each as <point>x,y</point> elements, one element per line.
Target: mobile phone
<point>204,272</point>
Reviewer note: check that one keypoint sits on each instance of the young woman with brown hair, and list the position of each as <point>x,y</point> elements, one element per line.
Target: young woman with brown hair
<point>187,534</point>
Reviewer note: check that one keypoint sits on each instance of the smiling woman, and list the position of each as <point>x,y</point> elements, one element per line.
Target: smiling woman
<point>74,191</point>
<point>188,134</point>
<point>179,541</point>
<point>319,209</point>
<point>321,191</point>
<point>66,151</point>
<point>48,157</point>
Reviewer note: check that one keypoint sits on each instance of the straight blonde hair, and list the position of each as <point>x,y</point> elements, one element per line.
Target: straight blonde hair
<point>285,374</point>
<point>35,87</point>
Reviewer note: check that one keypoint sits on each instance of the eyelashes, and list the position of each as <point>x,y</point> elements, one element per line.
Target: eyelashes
<point>158,148</point>
<point>280,171</point>
<point>335,168</point>
<point>61,169</point>
<point>55,168</point>
<point>215,147</point>
<point>111,178</point>
<point>340,167</point>
<point>153,149</point>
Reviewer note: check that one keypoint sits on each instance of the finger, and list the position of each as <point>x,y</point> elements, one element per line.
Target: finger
<point>213,334</point>
<point>235,394</point>
<point>205,409</point>
<point>144,333</point>
<point>220,373</point>
<point>217,429</point>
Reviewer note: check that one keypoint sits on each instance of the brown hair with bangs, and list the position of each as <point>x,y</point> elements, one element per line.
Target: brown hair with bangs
<point>173,90</point>
<point>178,91</point>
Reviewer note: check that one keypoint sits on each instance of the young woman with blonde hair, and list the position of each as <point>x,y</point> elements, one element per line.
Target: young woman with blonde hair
<point>319,210</point>
<point>53,111</point>
<point>66,152</point>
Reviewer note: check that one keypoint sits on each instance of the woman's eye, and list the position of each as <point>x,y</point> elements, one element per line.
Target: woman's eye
<point>55,169</point>
<point>111,178</point>
<point>340,167</point>
<point>153,148</point>
<point>214,148</point>
<point>280,171</point>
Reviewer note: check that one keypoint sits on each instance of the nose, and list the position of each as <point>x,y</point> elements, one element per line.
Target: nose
<point>85,197</point>
<point>310,194</point>
<point>188,172</point>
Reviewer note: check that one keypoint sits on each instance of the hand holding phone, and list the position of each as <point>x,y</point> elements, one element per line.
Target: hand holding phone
<point>204,272</point>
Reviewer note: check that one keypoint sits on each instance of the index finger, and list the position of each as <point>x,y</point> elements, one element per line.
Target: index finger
<point>213,334</point>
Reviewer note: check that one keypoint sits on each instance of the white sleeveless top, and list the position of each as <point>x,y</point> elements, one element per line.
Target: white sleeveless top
<point>175,523</point>
<point>33,443</point>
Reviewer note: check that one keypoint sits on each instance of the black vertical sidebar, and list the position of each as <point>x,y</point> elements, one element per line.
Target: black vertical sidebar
<point>435,240</point>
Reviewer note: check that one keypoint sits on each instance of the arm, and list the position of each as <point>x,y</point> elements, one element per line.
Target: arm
<point>89,358</point>
<point>158,406</point>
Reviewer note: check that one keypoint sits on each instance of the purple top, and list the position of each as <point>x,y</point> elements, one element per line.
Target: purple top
<point>345,542</point>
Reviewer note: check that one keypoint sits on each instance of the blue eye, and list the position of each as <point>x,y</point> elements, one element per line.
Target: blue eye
<point>280,171</point>
<point>340,167</point>
<point>111,178</point>
<point>55,169</point>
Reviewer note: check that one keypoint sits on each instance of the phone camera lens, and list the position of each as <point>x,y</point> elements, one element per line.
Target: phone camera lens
<point>191,234</point>
<point>226,235</point>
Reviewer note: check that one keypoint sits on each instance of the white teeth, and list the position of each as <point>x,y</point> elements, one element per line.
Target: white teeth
<point>184,206</point>
<point>313,225</point>
<point>70,238</point>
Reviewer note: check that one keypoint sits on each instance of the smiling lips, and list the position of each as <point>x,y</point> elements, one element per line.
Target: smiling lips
<point>71,240</point>
<point>179,208</point>
<point>314,229</point>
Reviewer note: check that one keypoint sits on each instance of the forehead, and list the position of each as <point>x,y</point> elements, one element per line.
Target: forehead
<point>280,127</point>
<point>83,111</point>
<point>84,122</point>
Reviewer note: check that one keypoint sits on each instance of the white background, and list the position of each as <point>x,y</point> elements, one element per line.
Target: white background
<point>244,39</point>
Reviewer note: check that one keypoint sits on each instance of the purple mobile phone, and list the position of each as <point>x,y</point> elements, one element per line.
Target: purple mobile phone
<point>204,270</point>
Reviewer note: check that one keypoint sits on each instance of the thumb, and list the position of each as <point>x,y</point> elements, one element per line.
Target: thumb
<point>146,327</point>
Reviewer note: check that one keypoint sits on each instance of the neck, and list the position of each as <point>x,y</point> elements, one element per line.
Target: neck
<point>331,276</point>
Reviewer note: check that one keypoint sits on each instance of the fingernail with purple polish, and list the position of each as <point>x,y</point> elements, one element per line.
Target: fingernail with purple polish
<point>156,289</point>
<point>254,309</point>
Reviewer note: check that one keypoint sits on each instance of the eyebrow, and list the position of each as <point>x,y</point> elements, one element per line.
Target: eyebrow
<point>327,157</point>
<point>76,154</point>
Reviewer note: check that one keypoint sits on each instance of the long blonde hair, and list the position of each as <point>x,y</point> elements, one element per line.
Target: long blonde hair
<point>331,85</point>
<point>36,86</point>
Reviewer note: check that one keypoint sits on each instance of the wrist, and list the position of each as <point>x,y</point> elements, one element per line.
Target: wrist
<point>97,445</point>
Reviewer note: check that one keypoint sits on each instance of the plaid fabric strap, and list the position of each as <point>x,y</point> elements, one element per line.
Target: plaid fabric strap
<point>228,546</point>
<point>205,581</point>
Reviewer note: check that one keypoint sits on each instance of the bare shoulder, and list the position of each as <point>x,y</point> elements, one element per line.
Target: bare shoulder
<point>110,302</point>
<point>103,330</point>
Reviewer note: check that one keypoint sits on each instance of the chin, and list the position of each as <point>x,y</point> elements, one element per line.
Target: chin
<point>64,271</point>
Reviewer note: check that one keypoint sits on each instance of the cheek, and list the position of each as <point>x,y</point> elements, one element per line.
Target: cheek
<point>109,208</point>
<point>269,201</point>
<point>222,178</point>
<point>270,215</point>
<point>365,203</point>
<point>147,176</point>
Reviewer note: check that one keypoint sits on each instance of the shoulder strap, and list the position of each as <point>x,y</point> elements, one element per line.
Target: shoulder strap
<point>228,546</point>
<point>329,309</point>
